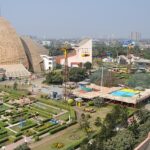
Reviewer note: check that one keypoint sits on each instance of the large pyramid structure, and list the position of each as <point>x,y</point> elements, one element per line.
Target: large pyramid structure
<point>16,50</point>
<point>11,49</point>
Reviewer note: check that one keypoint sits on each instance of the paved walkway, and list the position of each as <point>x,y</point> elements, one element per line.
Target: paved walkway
<point>20,142</point>
<point>51,137</point>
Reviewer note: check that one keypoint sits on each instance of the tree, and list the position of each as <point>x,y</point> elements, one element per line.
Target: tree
<point>109,78</point>
<point>139,80</point>
<point>98,102</point>
<point>124,140</point>
<point>134,128</point>
<point>88,65</point>
<point>77,74</point>
<point>98,122</point>
<point>22,147</point>
<point>15,86</point>
<point>54,77</point>
<point>84,124</point>
<point>58,66</point>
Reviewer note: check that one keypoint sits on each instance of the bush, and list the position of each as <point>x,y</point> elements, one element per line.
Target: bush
<point>36,138</point>
<point>58,129</point>
<point>58,66</point>
<point>58,145</point>
<point>90,103</point>
<point>17,138</point>
<point>54,77</point>
<point>27,127</point>
<point>3,140</point>
<point>77,74</point>
<point>70,102</point>
<point>72,123</point>
<point>18,134</point>
<point>47,130</point>
<point>22,147</point>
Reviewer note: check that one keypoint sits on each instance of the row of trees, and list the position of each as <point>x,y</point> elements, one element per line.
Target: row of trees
<point>126,138</point>
<point>103,50</point>
<point>139,79</point>
<point>75,74</point>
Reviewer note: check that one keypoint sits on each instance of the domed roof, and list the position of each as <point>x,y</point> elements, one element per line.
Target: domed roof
<point>11,48</point>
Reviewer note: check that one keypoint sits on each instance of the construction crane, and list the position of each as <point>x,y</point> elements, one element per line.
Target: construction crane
<point>66,49</point>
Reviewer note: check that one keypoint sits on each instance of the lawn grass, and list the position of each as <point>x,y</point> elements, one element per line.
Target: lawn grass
<point>47,108</point>
<point>25,124</point>
<point>68,139</point>
<point>64,117</point>
<point>76,132</point>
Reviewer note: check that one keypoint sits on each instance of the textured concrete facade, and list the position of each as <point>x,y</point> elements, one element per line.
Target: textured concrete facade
<point>11,49</point>
<point>16,50</point>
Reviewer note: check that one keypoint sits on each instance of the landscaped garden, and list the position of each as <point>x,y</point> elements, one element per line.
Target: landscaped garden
<point>42,116</point>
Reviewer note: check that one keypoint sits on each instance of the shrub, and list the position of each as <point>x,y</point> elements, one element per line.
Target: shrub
<point>17,138</point>
<point>18,134</point>
<point>47,130</point>
<point>27,127</point>
<point>70,102</point>
<point>58,129</point>
<point>36,138</point>
<point>3,140</point>
<point>90,103</point>
<point>58,145</point>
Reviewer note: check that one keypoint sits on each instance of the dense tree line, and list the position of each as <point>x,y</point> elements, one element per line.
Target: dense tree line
<point>74,74</point>
<point>126,138</point>
<point>139,80</point>
<point>103,50</point>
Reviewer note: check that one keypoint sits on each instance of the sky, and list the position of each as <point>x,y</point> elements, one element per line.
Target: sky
<point>78,18</point>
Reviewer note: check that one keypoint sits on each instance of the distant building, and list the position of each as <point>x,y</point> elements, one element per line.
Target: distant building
<point>136,36</point>
<point>108,59</point>
<point>126,43</point>
<point>82,54</point>
<point>123,60</point>
<point>48,62</point>
<point>46,43</point>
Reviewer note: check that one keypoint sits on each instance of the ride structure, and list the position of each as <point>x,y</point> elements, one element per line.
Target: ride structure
<point>66,49</point>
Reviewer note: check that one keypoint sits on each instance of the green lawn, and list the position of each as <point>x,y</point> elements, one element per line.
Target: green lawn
<point>75,135</point>
<point>72,137</point>
<point>47,108</point>
<point>22,125</point>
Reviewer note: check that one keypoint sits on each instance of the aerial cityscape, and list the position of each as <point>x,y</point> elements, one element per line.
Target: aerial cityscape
<point>74,75</point>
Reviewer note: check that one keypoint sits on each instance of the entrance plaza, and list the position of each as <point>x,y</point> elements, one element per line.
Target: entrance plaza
<point>113,94</point>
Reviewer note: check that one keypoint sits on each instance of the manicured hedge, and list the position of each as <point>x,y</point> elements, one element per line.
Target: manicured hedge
<point>18,134</point>
<point>58,129</point>
<point>3,140</point>
<point>3,132</point>
<point>42,113</point>
<point>47,130</point>
<point>77,144</point>
<point>17,138</point>
<point>27,127</point>
<point>46,120</point>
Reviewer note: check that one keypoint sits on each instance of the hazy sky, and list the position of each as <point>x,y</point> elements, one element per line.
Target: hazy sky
<point>78,18</point>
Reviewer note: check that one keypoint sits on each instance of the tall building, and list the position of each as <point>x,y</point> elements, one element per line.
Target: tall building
<point>135,36</point>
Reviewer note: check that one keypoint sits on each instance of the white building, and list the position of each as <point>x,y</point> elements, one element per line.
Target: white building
<point>46,43</point>
<point>108,60</point>
<point>49,62</point>
<point>82,54</point>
